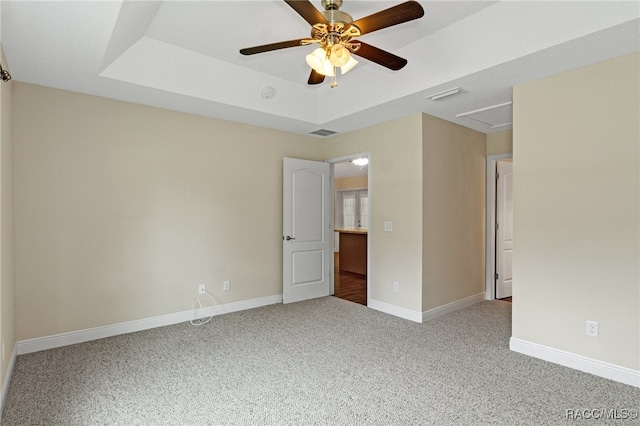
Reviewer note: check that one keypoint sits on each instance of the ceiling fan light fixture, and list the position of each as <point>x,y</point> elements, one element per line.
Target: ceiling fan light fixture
<point>318,61</point>
<point>327,69</point>
<point>315,59</point>
<point>348,66</point>
<point>340,55</point>
<point>336,33</point>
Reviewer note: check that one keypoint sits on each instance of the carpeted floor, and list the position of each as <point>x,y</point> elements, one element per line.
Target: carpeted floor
<point>319,362</point>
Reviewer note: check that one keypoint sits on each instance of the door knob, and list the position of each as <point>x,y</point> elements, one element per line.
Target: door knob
<point>290,238</point>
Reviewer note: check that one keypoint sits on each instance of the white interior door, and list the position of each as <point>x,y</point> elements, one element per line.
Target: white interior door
<point>307,243</point>
<point>504,228</point>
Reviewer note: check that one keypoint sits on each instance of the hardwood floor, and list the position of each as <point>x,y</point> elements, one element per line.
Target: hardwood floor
<point>350,286</point>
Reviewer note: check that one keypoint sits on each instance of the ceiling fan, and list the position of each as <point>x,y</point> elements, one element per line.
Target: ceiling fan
<point>334,31</point>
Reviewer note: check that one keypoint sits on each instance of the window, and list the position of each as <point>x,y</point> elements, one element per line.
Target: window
<point>353,209</point>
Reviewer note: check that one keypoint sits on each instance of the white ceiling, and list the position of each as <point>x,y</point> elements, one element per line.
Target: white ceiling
<point>348,169</point>
<point>183,56</point>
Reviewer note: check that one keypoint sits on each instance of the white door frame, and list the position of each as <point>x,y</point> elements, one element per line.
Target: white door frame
<point>343,159</point>
<point>490,266</point>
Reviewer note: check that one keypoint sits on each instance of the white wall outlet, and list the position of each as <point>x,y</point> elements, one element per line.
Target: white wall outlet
<point>226,286</point>
<point>592,328</point>
<point>396,286</point>
<point>388,226</point>
<point>201,289</point>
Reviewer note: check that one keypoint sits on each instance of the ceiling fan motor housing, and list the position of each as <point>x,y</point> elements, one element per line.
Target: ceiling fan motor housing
<point>331,4</point>
<point>332,13</point>
<point>337,29</point>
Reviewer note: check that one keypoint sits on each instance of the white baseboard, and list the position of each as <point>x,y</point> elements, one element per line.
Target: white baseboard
<point>80,336</point>
<point>453,306</point>
<point>577,362</point>
<point>394,310</point>
<point>7,378</point>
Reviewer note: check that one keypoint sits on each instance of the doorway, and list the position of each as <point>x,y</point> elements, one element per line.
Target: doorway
<point>351,226</point>
<point>499,230</point>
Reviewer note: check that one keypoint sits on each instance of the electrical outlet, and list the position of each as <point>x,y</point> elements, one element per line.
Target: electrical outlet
<point>202,289</point>
<point>592,328</point>
<point>396,286</point>
<point>226,286</point>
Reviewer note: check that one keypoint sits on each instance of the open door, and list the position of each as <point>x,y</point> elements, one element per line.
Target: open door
<point>307,243</point>
<point>504,229</point>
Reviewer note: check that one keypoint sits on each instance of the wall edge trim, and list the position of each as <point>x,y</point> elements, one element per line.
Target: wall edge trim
<point>395,310</point>
<point>593,366</point>
<point>86,335</point>
<point>453,306</point>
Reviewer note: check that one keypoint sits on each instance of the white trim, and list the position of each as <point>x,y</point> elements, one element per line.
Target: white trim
<point>395,310</point>
<point>80,336</point>
<point>7,378</point>
<point>453,306</point>
<point>490,257</point>
<point>577,362</point>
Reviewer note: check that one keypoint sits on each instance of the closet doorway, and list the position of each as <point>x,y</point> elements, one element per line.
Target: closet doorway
<point>351,227</point>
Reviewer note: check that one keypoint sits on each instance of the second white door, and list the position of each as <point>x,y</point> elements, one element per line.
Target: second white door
<point>504,229</point>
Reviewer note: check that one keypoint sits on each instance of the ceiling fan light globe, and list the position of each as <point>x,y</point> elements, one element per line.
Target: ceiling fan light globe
<point>316,59</point>
<point>348,66</point>
<point>340,55</point>
<point>327,69</point>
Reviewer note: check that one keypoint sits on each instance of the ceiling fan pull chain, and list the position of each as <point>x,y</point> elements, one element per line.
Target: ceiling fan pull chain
<point>334,83</point>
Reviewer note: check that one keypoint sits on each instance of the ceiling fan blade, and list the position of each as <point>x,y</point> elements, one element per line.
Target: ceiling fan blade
<point>395,15</point>
<point>380,56</point>
<point>307,11</point>
<point>272,46</point>
<point>315,78</point>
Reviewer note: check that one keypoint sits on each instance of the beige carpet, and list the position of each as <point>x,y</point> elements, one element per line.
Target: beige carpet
<point>320,362</point>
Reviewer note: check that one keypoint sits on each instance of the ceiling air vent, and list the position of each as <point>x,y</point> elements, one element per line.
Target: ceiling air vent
<point>323,132</point>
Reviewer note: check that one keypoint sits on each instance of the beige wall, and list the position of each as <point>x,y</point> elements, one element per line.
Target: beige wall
<point>453,223</point>
<point>395,195</point>
<point>500,143</point>
<point>576,211</point>
<point>354,182</point>
<point>122,209</point>
<point>7,323</point>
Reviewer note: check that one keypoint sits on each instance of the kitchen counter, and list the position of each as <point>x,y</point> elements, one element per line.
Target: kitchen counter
<point>353,250</point>
<point>352,231</point>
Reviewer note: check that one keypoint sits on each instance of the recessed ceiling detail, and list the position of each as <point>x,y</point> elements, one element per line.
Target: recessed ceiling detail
<point>184,56</point>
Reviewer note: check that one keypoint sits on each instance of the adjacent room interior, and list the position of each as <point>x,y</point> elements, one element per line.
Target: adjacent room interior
<point>351,219</point>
